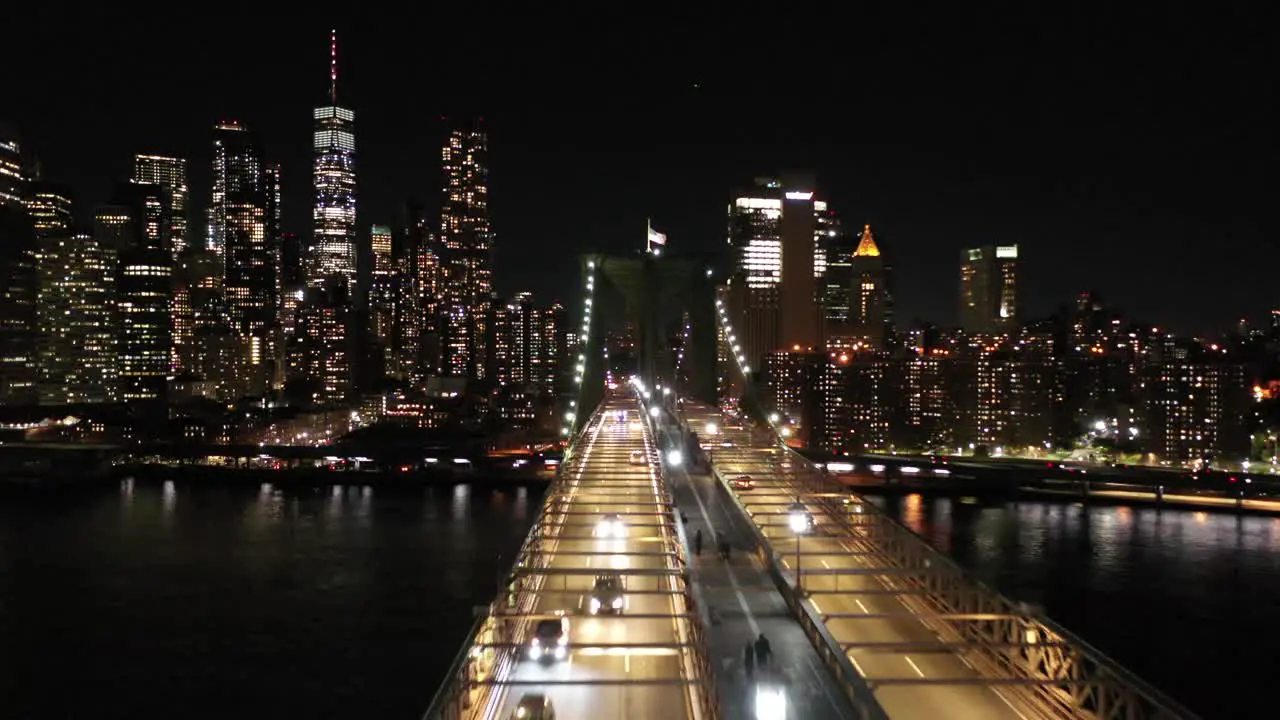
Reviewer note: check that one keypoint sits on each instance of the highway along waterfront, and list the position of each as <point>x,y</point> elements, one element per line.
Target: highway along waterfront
<point>347,602</point>
<point>1162,591</point>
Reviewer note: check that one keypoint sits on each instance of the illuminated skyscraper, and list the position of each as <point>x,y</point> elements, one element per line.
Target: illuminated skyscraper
<point>333,243</point>
<point>237,166</point>
<point>837,247</point>
<point>467,240</point>
<point>250,250</point>
<point>50,209</point>
<point>554,349</point>
<point>322,343</point>
<point>171,175</point>
<point>528,343</point>
<point>989,289</point>
<point>214,353</point>
<point>275,233</point>
<point>871,309</point>
<point>19,288</point>
<point>517,346</point>
<point>775,226</point>
<point>138,226</point>
<point>382,290</point>
<point>12,179</point>
<point>77,320</point>
<point>250,275</point>
<point>414,350</point>
<point>325,350</point>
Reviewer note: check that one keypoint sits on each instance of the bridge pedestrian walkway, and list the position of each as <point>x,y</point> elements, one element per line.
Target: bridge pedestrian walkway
<point>743,602</point>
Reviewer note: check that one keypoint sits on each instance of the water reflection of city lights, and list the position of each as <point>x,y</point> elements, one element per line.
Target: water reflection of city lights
<point>913,512</point>
<point>169,496</point>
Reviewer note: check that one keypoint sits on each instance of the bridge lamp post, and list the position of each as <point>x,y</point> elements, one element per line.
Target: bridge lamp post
<point>798,519</point>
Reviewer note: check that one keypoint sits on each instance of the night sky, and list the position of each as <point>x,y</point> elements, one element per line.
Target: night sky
<point>1128,154</point>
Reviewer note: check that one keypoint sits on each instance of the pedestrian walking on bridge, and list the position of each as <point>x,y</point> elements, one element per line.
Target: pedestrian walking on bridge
<point>749,659</point>
<point>764,653</point>
<point>697,543</point>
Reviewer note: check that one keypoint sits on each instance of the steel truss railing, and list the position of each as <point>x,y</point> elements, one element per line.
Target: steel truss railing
<point>1044,667</point>
<point>479,675</point>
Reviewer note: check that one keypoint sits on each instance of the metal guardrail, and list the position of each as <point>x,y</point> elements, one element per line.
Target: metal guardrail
<point>468,684</point>
<point>1063,676</point>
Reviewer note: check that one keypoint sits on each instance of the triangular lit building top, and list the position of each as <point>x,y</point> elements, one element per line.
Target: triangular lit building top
<point>867,245</point>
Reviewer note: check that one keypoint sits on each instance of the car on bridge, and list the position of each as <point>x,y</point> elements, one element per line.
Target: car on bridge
<point>534,706</point>
<point>637,457</point>
<point>607,595</point>
<point>742,482</point>
<point>550,641</point>
<point>611,526</point>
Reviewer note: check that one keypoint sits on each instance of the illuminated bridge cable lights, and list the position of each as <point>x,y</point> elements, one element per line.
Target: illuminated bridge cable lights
<point>738,355</point>
<point>580,368</point>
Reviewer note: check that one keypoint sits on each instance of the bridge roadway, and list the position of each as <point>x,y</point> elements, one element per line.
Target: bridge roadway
<point>626,666</point>
<point>859,609</point>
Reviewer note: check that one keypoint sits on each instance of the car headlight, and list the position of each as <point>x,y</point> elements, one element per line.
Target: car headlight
<point>617,603</point>
<point>534,642</point>
<point>595,606</point>
<point>535,652</point>
<point>560,653</point>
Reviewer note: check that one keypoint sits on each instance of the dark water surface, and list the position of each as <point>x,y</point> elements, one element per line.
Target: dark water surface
<point>1190,601</point>
<point>176,600</point>
<point>182,601</point>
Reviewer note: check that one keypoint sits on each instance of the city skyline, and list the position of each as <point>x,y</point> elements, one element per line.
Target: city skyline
<point>934,187</point>
<point>942,330</point>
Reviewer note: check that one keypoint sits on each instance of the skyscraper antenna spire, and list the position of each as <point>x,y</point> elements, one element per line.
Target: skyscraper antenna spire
<point>333,66</point>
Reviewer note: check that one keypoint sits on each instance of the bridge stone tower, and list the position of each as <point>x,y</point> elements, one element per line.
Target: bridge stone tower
<point>655,294</point>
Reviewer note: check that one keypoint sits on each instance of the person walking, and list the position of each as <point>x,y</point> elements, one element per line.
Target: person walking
<point>697,543</point>
<point>749,659</point>
<point>764,654</point>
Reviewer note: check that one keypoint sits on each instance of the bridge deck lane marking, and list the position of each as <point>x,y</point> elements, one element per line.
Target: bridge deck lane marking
<point>959,702</point>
